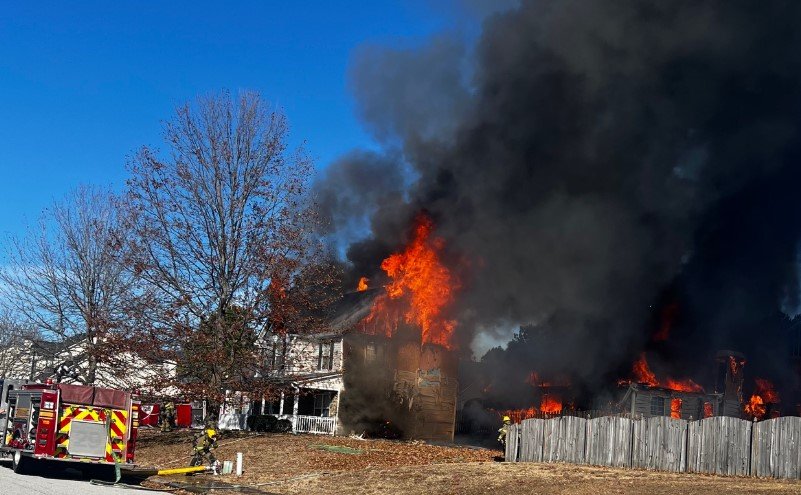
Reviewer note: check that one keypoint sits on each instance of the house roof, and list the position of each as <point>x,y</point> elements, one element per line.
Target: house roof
<point>351,309</point>
<point>52,348</point>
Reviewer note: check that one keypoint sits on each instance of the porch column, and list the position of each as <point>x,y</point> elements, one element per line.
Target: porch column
<point>295,409</point>
<point>281,405</point>
<point>336,416</point>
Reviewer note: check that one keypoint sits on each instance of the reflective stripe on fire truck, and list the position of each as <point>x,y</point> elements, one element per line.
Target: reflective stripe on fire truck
<point>118,426</point>
<point>68,414</point>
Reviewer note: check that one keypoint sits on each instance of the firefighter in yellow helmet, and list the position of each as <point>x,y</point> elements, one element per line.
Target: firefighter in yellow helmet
<point>503,430</point>
<point>204,443</point>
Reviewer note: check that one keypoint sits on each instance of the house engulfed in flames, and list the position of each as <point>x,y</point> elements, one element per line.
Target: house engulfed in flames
<point>404,370</point>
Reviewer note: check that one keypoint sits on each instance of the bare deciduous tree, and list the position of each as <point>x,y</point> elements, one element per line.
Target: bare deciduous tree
<point>15,343</point>
<point>65,279</point>
<point>222,233</point>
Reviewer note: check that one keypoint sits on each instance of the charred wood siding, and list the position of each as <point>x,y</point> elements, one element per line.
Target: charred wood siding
<point>719,445</point>
<point>645,402</point>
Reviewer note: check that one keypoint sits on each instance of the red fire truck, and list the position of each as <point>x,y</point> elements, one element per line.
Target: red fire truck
<point>73,423</point>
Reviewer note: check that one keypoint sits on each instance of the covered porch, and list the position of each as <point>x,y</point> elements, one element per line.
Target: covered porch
<point>310,406</point>
<point>309,410</point>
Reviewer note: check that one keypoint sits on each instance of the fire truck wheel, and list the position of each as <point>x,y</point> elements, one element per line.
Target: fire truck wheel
<point>19,463</point>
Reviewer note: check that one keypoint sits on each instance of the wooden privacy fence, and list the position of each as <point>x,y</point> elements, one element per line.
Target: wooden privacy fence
<point>719,445</point>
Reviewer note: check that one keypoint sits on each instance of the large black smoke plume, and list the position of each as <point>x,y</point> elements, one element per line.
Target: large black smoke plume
<point>594,161</point>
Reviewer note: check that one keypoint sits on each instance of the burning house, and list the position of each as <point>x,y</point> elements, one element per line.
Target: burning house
<point>685,399</point>
<point>387,364</point>
<point>398,387</point>
<point>610,195</point>
<point>414,383</point>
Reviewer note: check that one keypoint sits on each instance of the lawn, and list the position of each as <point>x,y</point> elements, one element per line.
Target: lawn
<point>304,464</point>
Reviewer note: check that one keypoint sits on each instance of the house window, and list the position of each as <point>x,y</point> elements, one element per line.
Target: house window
<point>369,353</point>
<point>325,356</point>
<point>657,406</point>
<point>271,407</point>
<point>675,408</point>
<point>322,403</point>
<point>275,357</point>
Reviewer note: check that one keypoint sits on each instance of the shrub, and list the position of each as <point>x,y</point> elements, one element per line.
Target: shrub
<point>262,422</point>
<point>268,422</point>
<point>283,426</point>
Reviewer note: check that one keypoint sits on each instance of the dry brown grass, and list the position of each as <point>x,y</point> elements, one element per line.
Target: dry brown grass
<point>289,464</point>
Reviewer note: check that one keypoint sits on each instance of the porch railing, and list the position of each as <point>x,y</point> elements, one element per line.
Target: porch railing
<point>314,424</point>
<point>300,424</point>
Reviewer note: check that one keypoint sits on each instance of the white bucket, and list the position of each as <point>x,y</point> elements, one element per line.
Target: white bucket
<point>228,467</point>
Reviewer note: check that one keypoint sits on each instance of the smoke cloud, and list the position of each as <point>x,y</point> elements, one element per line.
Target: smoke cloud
<point>588,163</point>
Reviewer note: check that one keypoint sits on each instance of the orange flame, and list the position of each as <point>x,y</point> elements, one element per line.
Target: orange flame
<point>756,407</point>
<point>518,415</point>
<point>675,408</point>
<point>420,289</point>
<point>685,385</point>
<point>766,390</point>
<point>735,366</point>
<point>643,374</point>
<point>707,409</point>
<point>765,394</point>
<point>548,405</point>
<point>362,284</point>
<point>551,404</point>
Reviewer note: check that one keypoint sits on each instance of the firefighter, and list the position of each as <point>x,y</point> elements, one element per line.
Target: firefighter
<point>503,430</point>
<point>204,443</point>
<point>167,416</point>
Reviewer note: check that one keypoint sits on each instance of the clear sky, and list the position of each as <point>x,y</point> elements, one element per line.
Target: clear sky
<point>82,84</point>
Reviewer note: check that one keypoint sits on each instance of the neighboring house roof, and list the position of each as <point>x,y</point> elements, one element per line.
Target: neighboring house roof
<point>53,348</point>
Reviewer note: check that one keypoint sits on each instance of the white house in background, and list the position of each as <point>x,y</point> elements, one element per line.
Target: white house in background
<point>310,369</point>
<point>38,359</point>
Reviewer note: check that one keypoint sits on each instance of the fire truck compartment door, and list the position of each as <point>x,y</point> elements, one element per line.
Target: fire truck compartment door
<point>88,439</point>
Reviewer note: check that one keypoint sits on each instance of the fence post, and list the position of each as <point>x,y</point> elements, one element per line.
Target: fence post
<point>586,433</point>
<point>751,450</point>
<point>631,442</point>
<point>686,446</point>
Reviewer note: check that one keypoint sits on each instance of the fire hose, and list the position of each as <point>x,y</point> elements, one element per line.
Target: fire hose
<point>183,470</point>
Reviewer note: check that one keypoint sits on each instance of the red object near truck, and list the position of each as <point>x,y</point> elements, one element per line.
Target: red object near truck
<point>183,415</point>
<point>70,423</point>
<point>149,415</point>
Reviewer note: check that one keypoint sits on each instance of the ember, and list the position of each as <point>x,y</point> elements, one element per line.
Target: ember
<point>420,289</point>
<point>362,284</point>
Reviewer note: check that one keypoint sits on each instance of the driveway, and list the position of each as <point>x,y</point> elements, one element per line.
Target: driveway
<point>55,482</point>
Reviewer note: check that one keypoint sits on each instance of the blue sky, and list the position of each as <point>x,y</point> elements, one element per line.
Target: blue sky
<point>83,84</point>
